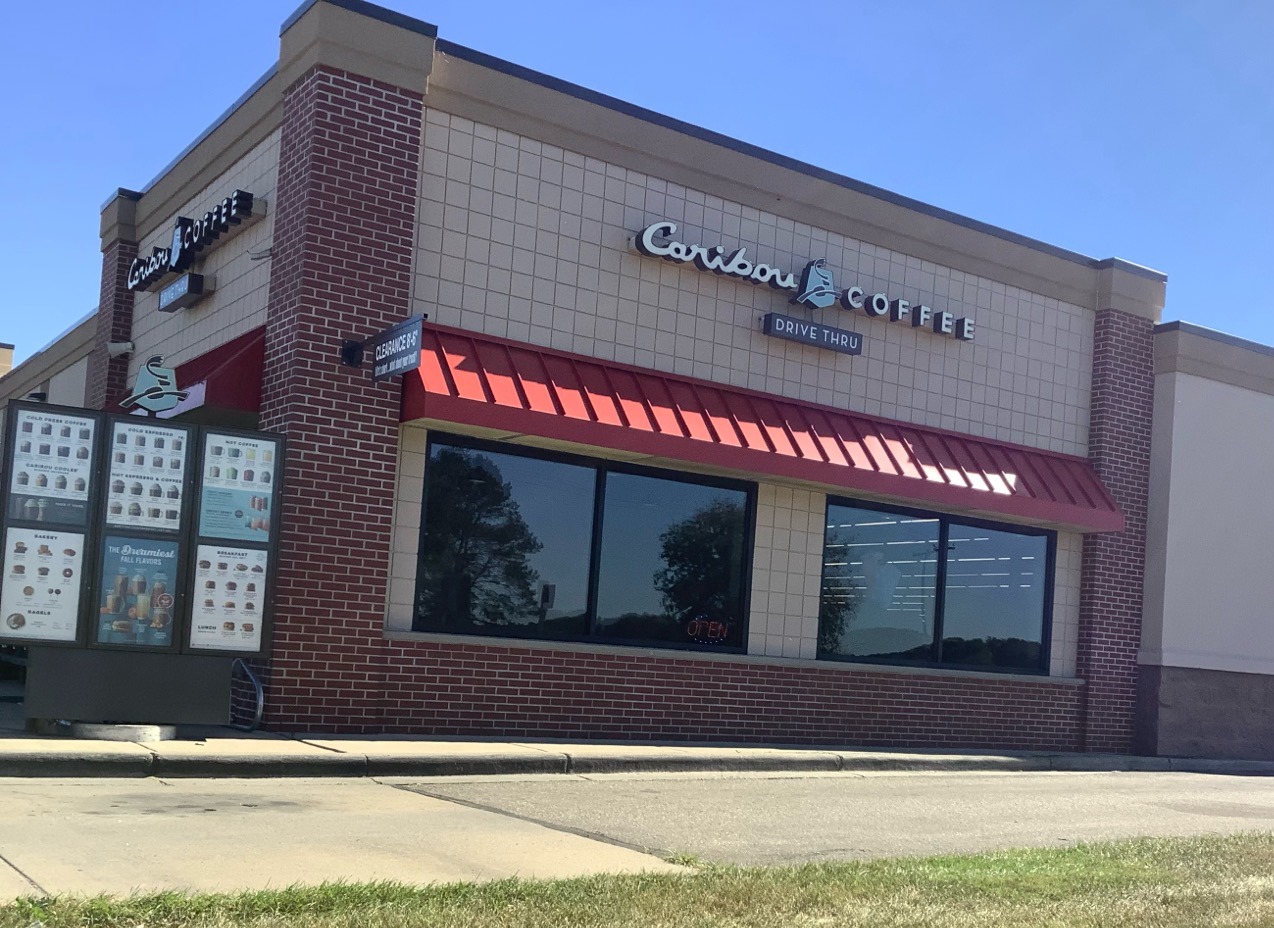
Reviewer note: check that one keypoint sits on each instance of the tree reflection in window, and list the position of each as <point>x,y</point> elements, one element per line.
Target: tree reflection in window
<point>672,559</point>
<point>511,546</point>
<point>475,562</point>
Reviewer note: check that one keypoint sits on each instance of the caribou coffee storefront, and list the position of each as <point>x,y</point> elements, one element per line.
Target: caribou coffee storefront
<point>702,444</point>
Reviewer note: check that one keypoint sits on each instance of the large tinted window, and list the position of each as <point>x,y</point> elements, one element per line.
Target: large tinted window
<point>993,610</point>
<point>880,584</point>
<point>528,546</point>
<point>671,561</point>
<point>505,544</point>
<point>909,587</point>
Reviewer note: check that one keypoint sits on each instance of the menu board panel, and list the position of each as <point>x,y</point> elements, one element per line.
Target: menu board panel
<point>228,598</point>
<point>40,590</point>
<point>237,501</point>
<point>146,481</point>
<point>52,467</point>
<point>138,583</point>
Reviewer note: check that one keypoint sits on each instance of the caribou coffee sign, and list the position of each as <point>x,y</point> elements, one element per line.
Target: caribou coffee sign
<point>191,236</point>
<point>815,288</point>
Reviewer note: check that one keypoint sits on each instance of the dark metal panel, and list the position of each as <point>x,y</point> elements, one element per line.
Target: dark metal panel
<point>129,687</point>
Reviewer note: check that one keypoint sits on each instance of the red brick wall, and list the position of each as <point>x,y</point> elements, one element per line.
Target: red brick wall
<point>473,689</point>
<point>340,268</point>
<point>107,376</point>
<point>1114,564</point>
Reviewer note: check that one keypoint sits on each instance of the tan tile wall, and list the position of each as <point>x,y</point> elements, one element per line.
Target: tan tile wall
<point>787,569</point>
<point>407,503</point>
<point>528,241</point>
<point>1070,555</point>
<point>239,302</point>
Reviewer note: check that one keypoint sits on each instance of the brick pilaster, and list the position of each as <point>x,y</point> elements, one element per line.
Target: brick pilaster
<point>1114,564</point>
<point>107,376</point>
<point>345,216</point>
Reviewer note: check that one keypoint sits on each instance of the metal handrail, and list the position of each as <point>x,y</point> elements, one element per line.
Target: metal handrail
<point>260,691</point>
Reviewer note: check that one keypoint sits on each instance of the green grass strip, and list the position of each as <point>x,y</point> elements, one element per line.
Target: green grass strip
<point>1164,882</point>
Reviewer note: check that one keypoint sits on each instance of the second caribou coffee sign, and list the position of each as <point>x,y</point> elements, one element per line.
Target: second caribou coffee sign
<point>814,287</point>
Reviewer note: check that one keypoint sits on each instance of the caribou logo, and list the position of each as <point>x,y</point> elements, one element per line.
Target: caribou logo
<point>156,388</point>
<point>817,288</point>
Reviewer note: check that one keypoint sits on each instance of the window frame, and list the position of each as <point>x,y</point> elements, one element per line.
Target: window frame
<point>601,467</point>
<point>945,520</point>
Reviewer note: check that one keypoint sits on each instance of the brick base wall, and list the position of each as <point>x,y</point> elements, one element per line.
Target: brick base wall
<point>483,690</point>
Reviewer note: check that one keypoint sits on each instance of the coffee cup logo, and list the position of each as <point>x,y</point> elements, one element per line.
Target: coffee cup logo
<point>817,287</point>
<point>156,388</point>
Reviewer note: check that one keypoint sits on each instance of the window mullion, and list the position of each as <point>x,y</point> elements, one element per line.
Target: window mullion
<point>940,594</point>
<point>595,551</point>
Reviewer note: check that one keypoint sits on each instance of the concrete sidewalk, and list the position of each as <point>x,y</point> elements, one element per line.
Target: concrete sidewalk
<point>226,753</point>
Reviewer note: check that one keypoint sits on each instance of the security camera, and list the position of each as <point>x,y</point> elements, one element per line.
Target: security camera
<point>119,349</point>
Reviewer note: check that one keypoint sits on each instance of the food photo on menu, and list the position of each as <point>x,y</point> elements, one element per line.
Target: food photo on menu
<point>40,591</point>
<point>52,468</point>
<point>138,592</point>
<point>229,597</point>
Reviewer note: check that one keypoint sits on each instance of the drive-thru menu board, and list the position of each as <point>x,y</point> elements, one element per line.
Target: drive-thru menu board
<point>237,499</point>
<point>40,588</point>
<point>229,598</point>
<point>146,482</point>
<point>137,583</point>
<point>131,533</point>
<point>52,467</point>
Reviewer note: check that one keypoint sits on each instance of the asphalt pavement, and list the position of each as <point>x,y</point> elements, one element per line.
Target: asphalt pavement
<point>219,810</point>
<point>88,836</point>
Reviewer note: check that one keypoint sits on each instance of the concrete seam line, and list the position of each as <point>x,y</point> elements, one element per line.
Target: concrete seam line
<point>26,876</point>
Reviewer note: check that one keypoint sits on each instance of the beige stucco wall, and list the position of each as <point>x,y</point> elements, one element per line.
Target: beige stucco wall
<point>1209,584</point>
<point>238,304</point>
<point>531,242</point>
<point>66,387</point>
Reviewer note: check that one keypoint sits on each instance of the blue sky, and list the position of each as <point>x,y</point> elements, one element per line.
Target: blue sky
<point>1139,129</point>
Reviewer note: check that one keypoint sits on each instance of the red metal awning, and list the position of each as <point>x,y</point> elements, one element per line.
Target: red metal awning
<point>494,383</point>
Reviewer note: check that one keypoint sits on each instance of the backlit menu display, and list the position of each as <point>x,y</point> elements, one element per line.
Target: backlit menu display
<point>147,473</point>
<point>138,582</point>
<point>40,588</point>
<point>229,598</point>
<point>237,501</point>
<point>52,467</point>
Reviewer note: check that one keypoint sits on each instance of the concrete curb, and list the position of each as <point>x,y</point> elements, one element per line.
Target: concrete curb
<point>76,764</point>
<point>108,760</point>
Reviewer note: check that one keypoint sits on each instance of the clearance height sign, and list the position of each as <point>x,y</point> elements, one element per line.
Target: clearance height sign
<point>395,350</point>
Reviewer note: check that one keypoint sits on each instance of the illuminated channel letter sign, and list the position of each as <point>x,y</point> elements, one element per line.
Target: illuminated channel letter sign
<point>191,236</point>
<point>814,287</point>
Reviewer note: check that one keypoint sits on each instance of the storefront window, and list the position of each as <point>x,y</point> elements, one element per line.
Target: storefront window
<point>556,547</point>
<point>993,607</point>
<point>671,561</point>
<point>505,546</point>
<point>912,587</point>
<point>880,585</point>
